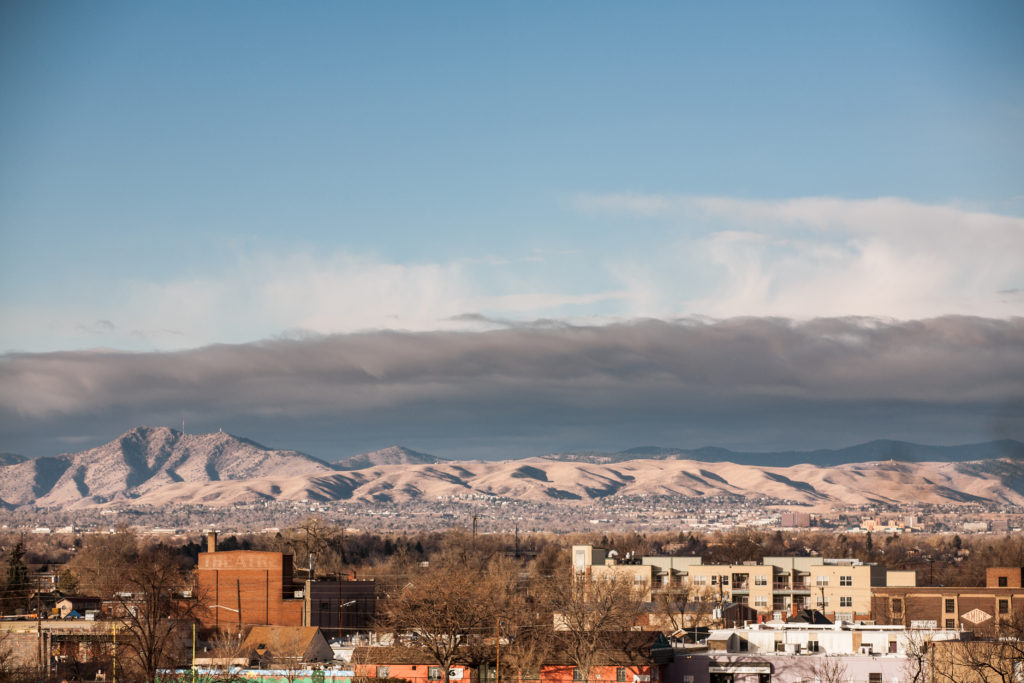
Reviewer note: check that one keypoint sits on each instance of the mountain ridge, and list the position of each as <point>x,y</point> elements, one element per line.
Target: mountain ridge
<point>392,455</point>
<point>869,451</point>
<point>162,466</point>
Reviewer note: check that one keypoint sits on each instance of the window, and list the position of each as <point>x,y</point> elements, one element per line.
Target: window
<point>897,605</point>
<point>1004,606</point>
<point>892,647</point>
<point>760,601</point>
<point>820,580</point>
<point>434,673</point>
<point>874,678</point>
<point>845,601</point>
<point>620,674</point>
<point>725,580</point>
<point>383,672</point>
<point>950,623</point>
<point>780,646</point>
<point>1002,582</point>
<point>845,580</point>
<point>950,605</point>
<point>700,581</point>
<point>812,646</point>
<point>714,579</point>
<point>760,580</point>
<point>764,678</point>
<point>577,675</point>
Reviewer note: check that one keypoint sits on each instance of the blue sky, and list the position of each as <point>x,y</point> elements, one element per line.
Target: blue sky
<point>174,175</point>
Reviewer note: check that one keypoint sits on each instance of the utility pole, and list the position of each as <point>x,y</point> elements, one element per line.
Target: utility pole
<point>497,651</point>
<point>238,595</point>
<point>39,625</point>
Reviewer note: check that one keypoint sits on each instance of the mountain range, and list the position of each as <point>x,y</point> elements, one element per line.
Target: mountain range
<point>160,466</point>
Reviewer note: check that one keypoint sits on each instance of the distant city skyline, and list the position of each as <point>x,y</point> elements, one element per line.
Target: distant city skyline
<point>508,230</point>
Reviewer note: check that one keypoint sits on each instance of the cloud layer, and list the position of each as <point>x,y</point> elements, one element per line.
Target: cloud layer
<point>661,256</point>
<point>753,382</point>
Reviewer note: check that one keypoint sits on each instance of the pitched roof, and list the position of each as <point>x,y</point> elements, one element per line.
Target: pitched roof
<point>284,642</point>
<point>383,655</point>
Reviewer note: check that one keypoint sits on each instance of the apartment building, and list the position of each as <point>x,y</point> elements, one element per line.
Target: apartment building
<point>775,587</point>
<point>595,563</point>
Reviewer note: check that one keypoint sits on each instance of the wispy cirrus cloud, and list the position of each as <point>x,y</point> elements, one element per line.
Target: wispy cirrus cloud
<point>260,295</point>
<point>814,256</point>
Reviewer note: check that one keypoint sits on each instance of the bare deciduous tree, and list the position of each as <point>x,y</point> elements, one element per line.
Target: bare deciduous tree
<point>829,670</point>
<point>155,619</point>
<point>100,564</point>
<point>682,607</point>
<point>585,610</point>
<point>445,609</point>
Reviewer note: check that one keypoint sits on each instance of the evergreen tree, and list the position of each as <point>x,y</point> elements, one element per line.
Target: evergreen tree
<point>17,577</point>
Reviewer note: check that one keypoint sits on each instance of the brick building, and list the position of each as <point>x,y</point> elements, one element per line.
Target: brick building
<point>243,588</point>
<point>978,608</point>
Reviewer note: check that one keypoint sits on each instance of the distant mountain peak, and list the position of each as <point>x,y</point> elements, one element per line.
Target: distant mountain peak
<point>147,458</point>
<point>392,455</point>
<point>11,458</point>
<point>878,450</point>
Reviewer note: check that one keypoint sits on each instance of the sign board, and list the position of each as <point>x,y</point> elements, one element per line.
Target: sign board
<point>976,616</point>
<point>763,669</point>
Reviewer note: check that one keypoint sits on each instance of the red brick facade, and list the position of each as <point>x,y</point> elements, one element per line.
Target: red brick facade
<point>247,587</point>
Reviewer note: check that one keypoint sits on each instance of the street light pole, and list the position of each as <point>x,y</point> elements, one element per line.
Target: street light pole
<point>341,616</point>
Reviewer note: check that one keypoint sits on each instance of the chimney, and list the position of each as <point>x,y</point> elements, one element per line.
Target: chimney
<point>211,542</point>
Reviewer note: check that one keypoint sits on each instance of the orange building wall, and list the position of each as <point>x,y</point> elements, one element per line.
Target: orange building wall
<point>414,673</point>
<point>605,674</point>
<point>1013,577</point>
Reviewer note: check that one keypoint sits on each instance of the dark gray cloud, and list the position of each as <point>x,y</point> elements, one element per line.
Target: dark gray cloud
<point>745,382</point>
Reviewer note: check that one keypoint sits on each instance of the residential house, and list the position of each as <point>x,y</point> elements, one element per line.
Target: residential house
<point>286,647</point>
<point>77,605</point>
